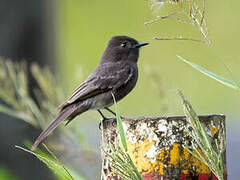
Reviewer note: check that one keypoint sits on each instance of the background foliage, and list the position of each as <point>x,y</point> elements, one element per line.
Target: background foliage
<point>85,27</point>
<point>83,35</point>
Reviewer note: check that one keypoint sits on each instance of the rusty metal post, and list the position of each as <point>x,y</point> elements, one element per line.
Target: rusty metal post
<point>156,146</point>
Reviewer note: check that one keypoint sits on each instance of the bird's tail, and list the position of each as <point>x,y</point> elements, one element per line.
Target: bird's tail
<point>63,115</point>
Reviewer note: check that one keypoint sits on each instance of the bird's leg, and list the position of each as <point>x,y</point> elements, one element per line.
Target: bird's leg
<point>104,119</point>
<point>109,110</point>
<point>101,114</point>
<point>100,124</point>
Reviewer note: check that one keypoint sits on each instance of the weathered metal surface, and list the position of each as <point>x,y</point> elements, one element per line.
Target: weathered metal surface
<point>156,146</point>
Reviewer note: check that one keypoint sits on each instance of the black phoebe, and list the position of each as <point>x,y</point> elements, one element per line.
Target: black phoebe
<point>117,74</point>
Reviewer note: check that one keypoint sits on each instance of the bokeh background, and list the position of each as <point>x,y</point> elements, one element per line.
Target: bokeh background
<point>70,36</point>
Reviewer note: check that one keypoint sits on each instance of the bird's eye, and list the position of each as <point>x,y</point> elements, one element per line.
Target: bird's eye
<point>124,44</point>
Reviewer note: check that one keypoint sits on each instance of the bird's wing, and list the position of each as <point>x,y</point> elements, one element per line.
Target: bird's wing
<point>105,78</point>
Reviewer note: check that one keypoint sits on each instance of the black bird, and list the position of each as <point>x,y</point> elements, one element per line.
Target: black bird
<point>116,74</point>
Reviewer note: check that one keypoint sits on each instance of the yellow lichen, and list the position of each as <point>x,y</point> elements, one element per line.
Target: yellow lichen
<point>137,152</point>
<point>213,130</point>
<point>200,167</point>
<point>174,154</point>
<point>164,158</point>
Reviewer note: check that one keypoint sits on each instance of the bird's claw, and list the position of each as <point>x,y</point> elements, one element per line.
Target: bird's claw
<point>106,121</point>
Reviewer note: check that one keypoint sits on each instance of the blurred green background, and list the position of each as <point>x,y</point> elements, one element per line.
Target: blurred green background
<point>84,27</point>
<point>81,30</point>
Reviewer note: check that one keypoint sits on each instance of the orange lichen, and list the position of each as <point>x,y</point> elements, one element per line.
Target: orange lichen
<point>200,167</point>
<point>213,130</point>
<point>165,158</point>
<point>138,152</point>
<point>174,154</point>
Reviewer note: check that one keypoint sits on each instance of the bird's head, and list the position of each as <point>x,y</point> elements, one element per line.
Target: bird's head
<point>122,48</point>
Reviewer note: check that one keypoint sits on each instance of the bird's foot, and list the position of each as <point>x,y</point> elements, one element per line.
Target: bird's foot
<point>122,117</point>
<point>106,121</point>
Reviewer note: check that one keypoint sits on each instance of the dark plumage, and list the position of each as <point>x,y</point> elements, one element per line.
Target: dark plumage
<point>116,73</point>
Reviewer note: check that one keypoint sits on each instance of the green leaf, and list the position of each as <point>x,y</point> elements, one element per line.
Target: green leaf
<point>53,163</point>
<point>218,78</point>
<point>134,168</point>
<point>120,125</point>
<point>207,154</point>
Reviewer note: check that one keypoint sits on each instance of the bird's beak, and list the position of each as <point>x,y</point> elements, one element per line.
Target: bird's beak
<point>140,44</point>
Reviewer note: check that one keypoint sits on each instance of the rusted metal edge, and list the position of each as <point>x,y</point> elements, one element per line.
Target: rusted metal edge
<point>202,118</point>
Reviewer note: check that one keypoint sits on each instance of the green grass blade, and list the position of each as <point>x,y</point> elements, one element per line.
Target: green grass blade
<point>134,168</point>
<point>120,126</point>
<point>53,163</point>
<point>218,78</point>
<point>213,158</point>
<point>50,163</point>
<point>58,161</point>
